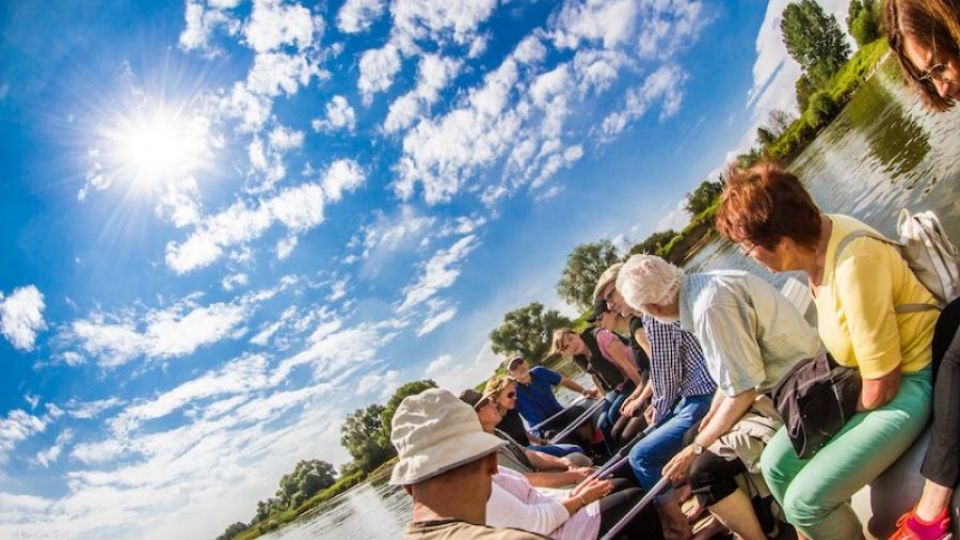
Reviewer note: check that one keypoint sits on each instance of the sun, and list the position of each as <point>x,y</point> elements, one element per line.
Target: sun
<point>148,148</point>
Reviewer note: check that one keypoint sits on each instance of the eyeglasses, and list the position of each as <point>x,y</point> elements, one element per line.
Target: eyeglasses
<point>511,395</point>
<point>935,73</point>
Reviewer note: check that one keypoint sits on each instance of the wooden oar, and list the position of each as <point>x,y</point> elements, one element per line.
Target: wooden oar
<point>575,402</point>
<point>657,488</point>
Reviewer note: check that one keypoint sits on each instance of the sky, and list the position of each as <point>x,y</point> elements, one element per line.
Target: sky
<point>226,224</point>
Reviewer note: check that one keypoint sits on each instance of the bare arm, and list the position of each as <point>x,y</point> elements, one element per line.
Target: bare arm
<point>619,356</point>
<point>727,413</point>
<point>553,479</point>
<point>547,462</point>
<point>644,342</point>
<point>878,392</point>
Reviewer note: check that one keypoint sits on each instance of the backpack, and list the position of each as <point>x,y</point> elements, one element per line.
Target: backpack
<point>929,253</point>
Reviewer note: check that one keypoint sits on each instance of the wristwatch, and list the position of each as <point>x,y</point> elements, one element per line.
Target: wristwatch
<point>697,448</point>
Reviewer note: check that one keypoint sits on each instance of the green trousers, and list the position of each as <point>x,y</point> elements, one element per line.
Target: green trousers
<point>814,492</point>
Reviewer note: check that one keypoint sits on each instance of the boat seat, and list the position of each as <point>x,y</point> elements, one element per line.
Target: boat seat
<point>894,492</point>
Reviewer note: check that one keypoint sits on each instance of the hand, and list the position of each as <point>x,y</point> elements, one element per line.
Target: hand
<point>582,472</point>
<point>678,468</point>
<point>592,393</point>
<point>649,414</point>
<point>592,490</point>
<point>630,407</point>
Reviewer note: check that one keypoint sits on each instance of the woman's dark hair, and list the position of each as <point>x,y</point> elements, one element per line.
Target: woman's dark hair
<point>932,24</point>
<point>764,203</point>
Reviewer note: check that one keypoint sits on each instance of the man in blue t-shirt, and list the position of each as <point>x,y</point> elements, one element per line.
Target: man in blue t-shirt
<point>536,402</point>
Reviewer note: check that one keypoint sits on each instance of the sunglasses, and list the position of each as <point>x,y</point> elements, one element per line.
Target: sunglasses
<point>747,251</point>
<point>511,395</point>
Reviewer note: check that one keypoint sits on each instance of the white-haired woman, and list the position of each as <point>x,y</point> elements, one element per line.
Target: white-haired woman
<point>751,336</point>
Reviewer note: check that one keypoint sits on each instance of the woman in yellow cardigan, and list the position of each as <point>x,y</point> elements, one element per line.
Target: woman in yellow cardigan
<point>767,211</point>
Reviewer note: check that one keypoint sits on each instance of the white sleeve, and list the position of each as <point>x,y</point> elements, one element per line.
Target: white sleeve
<point>513,505</point>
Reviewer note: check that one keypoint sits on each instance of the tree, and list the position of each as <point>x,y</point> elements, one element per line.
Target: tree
<point>233,530</point>
<point>704,196</point>
<point>307,478</point>
<point>804,88</point>
<point>654,242</point>
<point>862,22</point>
<point>527,331</point>
<point>362,435</point>
<point>779,121</point>
<point>584,266</point>
<point>814,40</point>
<point>409,389</point>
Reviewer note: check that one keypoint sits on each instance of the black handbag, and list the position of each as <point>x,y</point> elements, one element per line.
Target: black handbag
<point>816,399</point>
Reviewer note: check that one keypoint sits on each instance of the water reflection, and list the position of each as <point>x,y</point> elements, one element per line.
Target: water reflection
<point>883,153</point>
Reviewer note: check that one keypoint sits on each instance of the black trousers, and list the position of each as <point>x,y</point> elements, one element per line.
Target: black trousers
<point>613,507</point>
<point>713,478</point>
<point>942,462</point>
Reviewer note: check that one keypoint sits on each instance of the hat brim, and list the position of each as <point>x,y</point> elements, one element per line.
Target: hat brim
<point>444,457</point>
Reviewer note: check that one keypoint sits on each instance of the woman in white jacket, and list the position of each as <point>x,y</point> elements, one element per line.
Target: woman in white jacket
<point>586,512</point>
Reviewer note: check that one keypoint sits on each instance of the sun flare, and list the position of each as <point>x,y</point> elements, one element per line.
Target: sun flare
<point>149,148</point>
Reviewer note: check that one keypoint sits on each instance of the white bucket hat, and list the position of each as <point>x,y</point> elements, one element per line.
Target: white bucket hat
<point>434,432</point>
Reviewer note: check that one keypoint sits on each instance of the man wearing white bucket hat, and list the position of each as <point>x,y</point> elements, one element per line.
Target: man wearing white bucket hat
<point>445,464</point>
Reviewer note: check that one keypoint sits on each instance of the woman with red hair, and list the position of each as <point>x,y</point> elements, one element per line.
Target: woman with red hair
<point>857,283</point>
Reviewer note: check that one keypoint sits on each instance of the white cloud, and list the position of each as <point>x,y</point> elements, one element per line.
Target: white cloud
<point>435,72</point>
<point>358,15</point>
<point>339,115</point>
<point>338,289</point>
<point>611,22</point>
<point>168,333</point>
<point>440,313</point>
<point>91,409</point>
<point>343,175</point>
<point>438,273</point>
<point>456,376</point>
<point>21,317</point>
<point>19,426</point>
<point>234,280</point>
<point>297,208</point>
<point>51,454</point>
<point>456,20</point>
<point>664,87</point>
<point>377,69</point>
<point>367,383</point>
<point>274,24</point>
<point>201,23</point>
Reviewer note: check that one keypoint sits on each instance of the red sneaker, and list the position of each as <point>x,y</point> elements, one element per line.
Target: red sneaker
<point>910,527</point>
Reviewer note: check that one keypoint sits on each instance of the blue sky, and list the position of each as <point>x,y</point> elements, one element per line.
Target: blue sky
<point>228,224</point>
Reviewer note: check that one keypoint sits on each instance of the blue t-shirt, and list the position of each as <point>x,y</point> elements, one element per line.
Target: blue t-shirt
<point>535,401</point>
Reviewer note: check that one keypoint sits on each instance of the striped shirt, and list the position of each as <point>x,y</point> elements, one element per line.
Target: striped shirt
<point>677,368</point>
<point>750,333</point>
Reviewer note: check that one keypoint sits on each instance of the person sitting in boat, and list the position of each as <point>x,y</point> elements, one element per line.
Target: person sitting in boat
<point>592,507</point>
<point>504,392</point>
<point>628,426</point>
<point>538,405</point>
<point>445,462</point>
<point>682,392</point>
<point>857,284</point>
<point>541,470</point>
<point>604,356</point>
<point>751,336</point>
<point>924,35</point>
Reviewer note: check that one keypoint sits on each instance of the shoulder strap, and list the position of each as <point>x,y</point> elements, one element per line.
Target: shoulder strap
<point>861,233</point>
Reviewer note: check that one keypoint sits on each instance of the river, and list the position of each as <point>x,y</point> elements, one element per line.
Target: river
<point>883,153</point>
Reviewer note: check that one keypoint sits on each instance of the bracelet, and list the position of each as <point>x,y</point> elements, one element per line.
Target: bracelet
<point>580,496</point>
